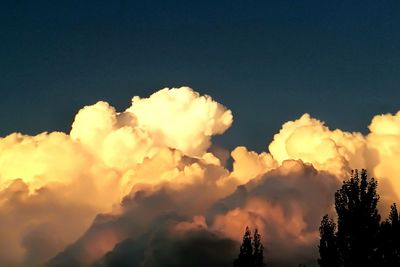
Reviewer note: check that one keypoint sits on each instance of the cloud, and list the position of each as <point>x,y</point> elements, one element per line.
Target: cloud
<point>248,164</point>
<point>285,204</point>
<point>50,191</point>
<point>310,140</point>
<point>337,151</point>
<point>156,223</point>
<point>193,245</point>
<point>176,118</point>
<point>52,185</point>
<point>148,211</point>
<point>384,153</point>
<point>146,185</point>
<point>34,227</point>
<point>181,119</point>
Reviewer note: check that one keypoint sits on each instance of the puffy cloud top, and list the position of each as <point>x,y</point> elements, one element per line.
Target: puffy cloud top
<point>387,124</point>
<point>177,118</point>
<point>124,185</point>
<point>180,118</point>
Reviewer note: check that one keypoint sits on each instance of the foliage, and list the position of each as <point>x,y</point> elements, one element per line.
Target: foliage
<point>329,256</point>
<point>389,243</point>
<point>358,220</point>
<point>355,241</point>
<point>251,251</point>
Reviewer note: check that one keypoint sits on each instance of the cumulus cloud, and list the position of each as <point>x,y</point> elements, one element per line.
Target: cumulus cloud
<point>249,164</point>
<point>148,211</point>
<point>181,119</point>
<point>384,153</point>
<point>310,140</point>
<point>197,247</point>
<point>285,204</point>
<point>338,151</point>
<point>156,223</point>
<point>50,190</point>
<point>176,118</point>
<point>52,185</point>
<point>146,187</point>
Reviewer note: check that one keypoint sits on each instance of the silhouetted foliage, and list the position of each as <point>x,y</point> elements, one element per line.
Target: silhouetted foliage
<point>251,251</point>
<point>258,250</point>
<point>358,220</point>
<point>358,225</point>
<point>328,251</point>
<point>245,257</point>
<point>389,243</point>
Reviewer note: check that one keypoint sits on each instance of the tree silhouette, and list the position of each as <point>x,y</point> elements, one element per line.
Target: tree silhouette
<point>251,251</point>
<point>358,220</point>
<point>390,239</point>
<point>328,251</point>
<point>358,225</point>
<point>245,257</point>
<point>258,250</point>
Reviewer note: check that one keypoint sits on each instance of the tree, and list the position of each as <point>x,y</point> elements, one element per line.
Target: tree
<point>245,257</point>
<point>358,225</point>
<point>358,220</point>
<point>258,250</point>
<point>251,251</point>
<point>390,239</point>
<point>328,251</point>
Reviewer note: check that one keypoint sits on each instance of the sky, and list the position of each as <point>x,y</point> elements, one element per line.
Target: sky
<point>152,133</point>
<point>268,61</point>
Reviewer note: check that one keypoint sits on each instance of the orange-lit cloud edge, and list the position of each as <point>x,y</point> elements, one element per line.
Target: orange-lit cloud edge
<point>157,159</point>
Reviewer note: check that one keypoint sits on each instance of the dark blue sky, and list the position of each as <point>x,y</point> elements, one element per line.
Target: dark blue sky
<point>268,61</point>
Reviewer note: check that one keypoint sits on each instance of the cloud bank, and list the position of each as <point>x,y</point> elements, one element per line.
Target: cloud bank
<point>145,186</point>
